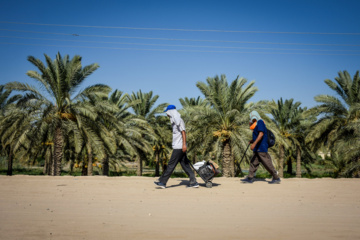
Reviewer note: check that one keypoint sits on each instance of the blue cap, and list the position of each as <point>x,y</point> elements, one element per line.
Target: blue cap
<point>170,107</point>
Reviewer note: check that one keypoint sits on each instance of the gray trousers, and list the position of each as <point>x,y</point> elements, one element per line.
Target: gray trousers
<point>265,159</point>
<point>178,156</point>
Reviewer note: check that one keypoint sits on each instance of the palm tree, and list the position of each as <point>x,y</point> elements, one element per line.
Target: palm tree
<point>5,99</point>
<point>13,125</point>
<point>194,146</point>
<point>100,135</point>
<point>120,131</point>
<point>337,126</point>
<point>112,136</point>
<point>162,145</point>
<point>287,117</point>
<point>144,107</point>
<point>189,102</point>
<point>348,149</point>
<point>60,79</point>
<point>222,125</point>
<point>113,120</point>
<point>16,130</point>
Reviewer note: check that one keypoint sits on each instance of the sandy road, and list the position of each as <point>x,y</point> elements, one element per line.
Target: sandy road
<point>43,207</point>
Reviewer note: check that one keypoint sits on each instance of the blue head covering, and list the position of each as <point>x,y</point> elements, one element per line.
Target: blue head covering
<point>170,107</point>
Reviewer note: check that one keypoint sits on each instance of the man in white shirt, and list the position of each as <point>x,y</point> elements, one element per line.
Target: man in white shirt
<point>179,149</point>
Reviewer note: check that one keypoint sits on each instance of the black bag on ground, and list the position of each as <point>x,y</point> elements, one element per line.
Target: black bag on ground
<point>207,171</point>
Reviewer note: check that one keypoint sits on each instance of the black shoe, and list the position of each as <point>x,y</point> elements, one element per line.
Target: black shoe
<point>194,185</point>
<point>247,180</point>
<point>160,184</point>
<point>275,181</point>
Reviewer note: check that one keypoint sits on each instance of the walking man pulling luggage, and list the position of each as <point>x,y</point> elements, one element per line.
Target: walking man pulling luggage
<point>179,150</point>
<point>259,145</point>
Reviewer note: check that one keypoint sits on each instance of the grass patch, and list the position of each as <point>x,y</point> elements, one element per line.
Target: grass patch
<point>24,171</point>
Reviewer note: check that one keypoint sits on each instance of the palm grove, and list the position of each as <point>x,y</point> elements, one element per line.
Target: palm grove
<point>66,124</point>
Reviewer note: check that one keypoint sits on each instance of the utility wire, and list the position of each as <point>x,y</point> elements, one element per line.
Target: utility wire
<point>170,45</point>
<point>174,39</point>
<point>174,29</point>
<point>175,50</point>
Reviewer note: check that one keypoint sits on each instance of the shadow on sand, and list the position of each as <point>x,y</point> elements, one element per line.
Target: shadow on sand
<point>184,183</point>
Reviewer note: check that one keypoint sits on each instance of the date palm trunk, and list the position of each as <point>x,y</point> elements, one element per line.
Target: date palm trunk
<point>48,161</point>
<point>298,162</point>
<point>58,152</point>
<point>90,160</point>
<point>163,165</point>
<point>72,162</point>
<point>289,166</point>
<point>84,170</point>
<point>46,170</point>
<point>105,165</point>
<point>139,166</point>
<point>228,161</point>
<point>157,166</point>
<point>10,164</point>
<point>281,161</point>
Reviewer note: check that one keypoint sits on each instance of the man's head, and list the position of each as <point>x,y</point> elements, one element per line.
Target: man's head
<point>254,116</point>
<point>170,107</point>
<point>173,114</point>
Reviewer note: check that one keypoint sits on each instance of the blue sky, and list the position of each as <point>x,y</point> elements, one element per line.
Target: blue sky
<point>139,46</point>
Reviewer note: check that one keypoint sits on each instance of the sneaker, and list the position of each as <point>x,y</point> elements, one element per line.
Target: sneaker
<point>160,184</point>
<point>275,181</point>
<point>194,185</point>
<point>247,180</point>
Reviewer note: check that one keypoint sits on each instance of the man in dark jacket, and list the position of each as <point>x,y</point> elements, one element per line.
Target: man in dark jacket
<point>259,146</point>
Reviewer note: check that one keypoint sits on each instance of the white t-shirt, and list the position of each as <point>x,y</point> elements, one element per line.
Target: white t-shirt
<point>177,142</point>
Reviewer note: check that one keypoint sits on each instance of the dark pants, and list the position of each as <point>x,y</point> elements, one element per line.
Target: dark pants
<point>178,156</point>
<point>265,159</point>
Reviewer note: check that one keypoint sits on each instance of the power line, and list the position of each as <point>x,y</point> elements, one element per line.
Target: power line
<point>175,50</point>
<point>179,39</point>
<point>170,45</point>
<point>174,29</point>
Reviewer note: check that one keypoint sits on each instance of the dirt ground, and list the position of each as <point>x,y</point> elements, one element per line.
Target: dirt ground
<point>43,207</point>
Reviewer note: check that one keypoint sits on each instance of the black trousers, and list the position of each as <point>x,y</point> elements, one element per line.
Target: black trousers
<point>178,156</point>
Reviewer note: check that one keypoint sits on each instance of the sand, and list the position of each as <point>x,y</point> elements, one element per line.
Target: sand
<point>44,207</point>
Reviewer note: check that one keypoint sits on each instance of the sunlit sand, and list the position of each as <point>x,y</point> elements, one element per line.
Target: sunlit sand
<point>44,207</point>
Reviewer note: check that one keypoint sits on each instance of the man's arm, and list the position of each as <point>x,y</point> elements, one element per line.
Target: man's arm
<point>258,139</point>
<point>184,141</point>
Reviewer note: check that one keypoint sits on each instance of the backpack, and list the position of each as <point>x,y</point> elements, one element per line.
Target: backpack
<point>270,138</point>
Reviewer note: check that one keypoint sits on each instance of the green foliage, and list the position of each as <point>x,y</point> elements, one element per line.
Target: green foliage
<point>337,125</point>
<point>288,122</point>
<point>218,124</point>
<point>62,122</point>
<point>57,107</point>
<point>157,130</point>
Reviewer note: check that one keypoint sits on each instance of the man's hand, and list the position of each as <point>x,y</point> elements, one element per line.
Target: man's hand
<point>250,142</point>
<point>184,148</point>
<point>253,146</point>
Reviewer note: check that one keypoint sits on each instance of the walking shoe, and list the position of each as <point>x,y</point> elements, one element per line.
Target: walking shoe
<point>247,180</point>
<point>194,185</point>
<point>275,181</point>
<point>160,184</point>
